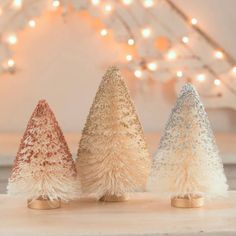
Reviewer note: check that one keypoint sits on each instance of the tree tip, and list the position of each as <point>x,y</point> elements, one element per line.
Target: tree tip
<point>112,70</point>
<point>112,73</point>
<point>42,107</point>
<point>188,87</point>
<point>42,101</point>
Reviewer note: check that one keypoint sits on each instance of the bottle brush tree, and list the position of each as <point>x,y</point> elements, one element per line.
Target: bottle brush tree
<point>43,171</point>
<point>187,165</point>
<point>113,159</point>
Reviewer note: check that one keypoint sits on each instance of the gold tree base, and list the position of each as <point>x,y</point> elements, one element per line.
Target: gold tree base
<point>113,198</point>
<point>185,202</point>
<point>43,204</point>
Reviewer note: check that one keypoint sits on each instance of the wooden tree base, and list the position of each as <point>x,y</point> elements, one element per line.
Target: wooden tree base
<point>113,198</point>
<point>44,204</point>
<point>185,202</point>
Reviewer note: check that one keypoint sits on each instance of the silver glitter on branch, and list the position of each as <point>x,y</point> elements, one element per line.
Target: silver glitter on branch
<point>187,161</point>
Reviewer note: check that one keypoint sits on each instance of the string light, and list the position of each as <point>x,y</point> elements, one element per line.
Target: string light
<point>171,55</point>
<point>138,73</point>
<point>104,32</point>
<point>201,77</point>
<point>127,2</point>
<point>217,82</point>
<point>131,42</point>
<point>108,8</point>
<point>12,39</point>
<point>95,2</point>
<point>152,66</point>
<point>10,63</point>
<point>185,39</point>
<point>148,3</point>
<point>56,3</point>
<point>146,32</point>
<point>17,4</point>
<point>179,74</point>
<point>218,54</point>
<point>129,57</point>
<point>234,70</point>
<point>194,21</point>
<point>32,23</point>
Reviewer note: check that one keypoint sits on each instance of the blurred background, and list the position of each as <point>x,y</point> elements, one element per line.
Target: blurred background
<point>59,50</point>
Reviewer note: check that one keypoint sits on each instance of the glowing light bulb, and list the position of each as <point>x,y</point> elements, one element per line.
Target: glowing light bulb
<point>185,39</point>
<point>152,66</point>
<point>194,21</point>
<point>1,11</point>
<point>218,54</point>
<point>10,63</point>
<point>12,39</point>
<point>32,23</point>
<point>129,57</point>
<point>108,8</point>
<point>95,2</point>
<point>17,4</point>
<point>127,2</point>
<point>201,77</point>
<point>146,32</point>
<point>131,42</point>
<point>217,82</point>
<point>171,55</point>
<point>56,3</point>
<point>179,74</point>
<point>104,32</point>
<point>234,70</point>
<point>138,73</point>
<point>148,3</point>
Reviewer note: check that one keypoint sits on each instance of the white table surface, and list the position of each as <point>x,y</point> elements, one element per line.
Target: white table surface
<point>144,214</point>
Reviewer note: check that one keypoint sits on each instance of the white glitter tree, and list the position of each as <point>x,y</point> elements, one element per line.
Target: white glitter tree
<point>113,159</point>
<point>187,165</point>
<point>43,168</point>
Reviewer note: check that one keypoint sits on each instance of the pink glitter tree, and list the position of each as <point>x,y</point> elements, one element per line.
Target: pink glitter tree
<point>43,168</point>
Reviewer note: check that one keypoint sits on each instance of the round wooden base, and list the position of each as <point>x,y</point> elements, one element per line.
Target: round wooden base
<point>113,198</point>
<point>193,202</point>
<point>44,204</point>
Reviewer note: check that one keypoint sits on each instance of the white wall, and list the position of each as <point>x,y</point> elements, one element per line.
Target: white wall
<point>216,17</point>
<point>64,63</point>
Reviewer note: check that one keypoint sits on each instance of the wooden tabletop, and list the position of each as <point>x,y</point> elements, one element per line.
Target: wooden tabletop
<point>143,214</point>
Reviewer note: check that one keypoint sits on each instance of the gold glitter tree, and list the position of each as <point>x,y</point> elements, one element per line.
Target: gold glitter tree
<point>43,171</point>
<point>113,159</point>
<point>187,165</point>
